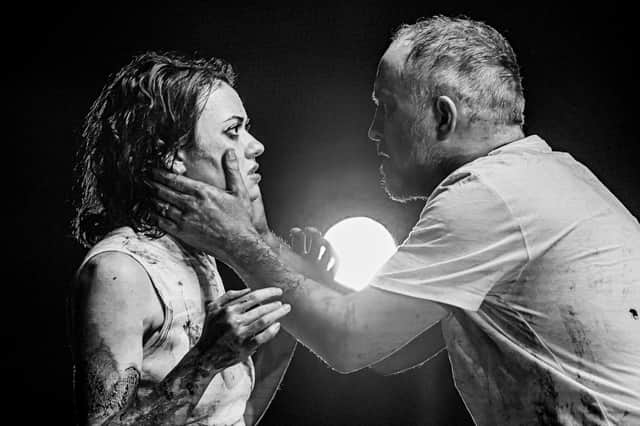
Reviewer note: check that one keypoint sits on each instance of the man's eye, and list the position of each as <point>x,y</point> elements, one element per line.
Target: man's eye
<point>387,108</point>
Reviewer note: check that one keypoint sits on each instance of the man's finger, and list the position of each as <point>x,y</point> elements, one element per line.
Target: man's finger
<point>326,255</point>
<point>168,211</point>
<point>165,224</point>
<point>171,196</point>
<point>296,237</point>
<point>259,217</point>
<point>235,184</point>
<point>176,182</point>
<point>333,269</point>
<point>314,238</point>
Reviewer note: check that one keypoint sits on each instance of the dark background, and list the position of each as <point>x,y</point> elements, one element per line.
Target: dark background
<point>305,75</point>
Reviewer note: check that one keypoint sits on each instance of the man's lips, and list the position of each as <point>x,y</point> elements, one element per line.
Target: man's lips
<point>382,154</point>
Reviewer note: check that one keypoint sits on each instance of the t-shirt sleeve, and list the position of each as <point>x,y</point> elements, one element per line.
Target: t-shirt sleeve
<point>465,242</point>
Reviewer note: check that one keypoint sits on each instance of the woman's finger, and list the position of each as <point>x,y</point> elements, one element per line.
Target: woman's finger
<point>264,336</point>
<point>255,297</point>
<point>231,295</point>
<point>253,314</point>
<point>265,321</point>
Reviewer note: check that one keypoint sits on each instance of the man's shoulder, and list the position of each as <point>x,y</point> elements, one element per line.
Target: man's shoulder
<point>504,166</point>
<point>521,176</point>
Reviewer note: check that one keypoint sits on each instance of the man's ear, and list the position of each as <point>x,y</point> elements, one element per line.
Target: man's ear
<point>446,116</point>
<point>175,162</point>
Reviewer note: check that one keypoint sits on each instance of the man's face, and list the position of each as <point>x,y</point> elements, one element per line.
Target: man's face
<point>401,133</point>
<point>223,124</point>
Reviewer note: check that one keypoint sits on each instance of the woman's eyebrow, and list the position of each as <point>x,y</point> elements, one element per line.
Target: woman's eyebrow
<point>235,117</point>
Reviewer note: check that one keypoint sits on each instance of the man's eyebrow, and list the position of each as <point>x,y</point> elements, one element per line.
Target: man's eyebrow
<point>379,92</point>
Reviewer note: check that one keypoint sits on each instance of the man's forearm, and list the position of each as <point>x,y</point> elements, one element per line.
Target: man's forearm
<point>348,331</point>
<point>299,264</point>
<point>320,316</point>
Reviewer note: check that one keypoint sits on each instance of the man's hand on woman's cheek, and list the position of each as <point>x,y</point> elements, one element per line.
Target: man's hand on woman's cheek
<point>259,217</point>
<point>204,216</point>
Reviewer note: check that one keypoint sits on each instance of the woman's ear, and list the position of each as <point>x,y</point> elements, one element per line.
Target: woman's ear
<point>175,162</point>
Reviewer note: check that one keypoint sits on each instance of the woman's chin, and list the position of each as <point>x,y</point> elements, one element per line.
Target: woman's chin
<point>254,192</point>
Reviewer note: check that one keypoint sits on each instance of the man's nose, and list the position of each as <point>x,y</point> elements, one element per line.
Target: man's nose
<point>375,129</point>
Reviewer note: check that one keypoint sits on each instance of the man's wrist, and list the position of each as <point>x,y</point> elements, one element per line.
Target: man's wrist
<point>272,241</point>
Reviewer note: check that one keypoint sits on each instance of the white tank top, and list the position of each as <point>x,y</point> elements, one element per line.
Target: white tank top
<point>184,281</point>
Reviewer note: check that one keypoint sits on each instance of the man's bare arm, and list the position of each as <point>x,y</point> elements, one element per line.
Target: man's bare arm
<point>292,257</point>
<point>111,316</point>
<point>317,253</point>
<point>348,331</point>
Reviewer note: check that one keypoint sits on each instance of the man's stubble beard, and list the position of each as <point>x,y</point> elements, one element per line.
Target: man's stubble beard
<point>417,180</point>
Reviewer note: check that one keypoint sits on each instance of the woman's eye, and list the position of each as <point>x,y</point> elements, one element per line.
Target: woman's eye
<point>233,131</point>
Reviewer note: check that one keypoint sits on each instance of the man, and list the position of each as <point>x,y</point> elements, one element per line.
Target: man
<point>529,265</point>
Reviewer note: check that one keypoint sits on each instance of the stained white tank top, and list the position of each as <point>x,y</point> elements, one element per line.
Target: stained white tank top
<point>184,281</point>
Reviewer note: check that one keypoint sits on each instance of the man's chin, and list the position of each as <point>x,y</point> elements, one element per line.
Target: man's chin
<point>401,197</point>
<point>397,188</point>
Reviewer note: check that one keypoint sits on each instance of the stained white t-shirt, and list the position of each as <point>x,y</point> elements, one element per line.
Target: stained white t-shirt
<point>540,266</point>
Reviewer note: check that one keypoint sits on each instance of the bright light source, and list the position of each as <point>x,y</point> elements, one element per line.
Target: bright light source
<point>362,246</point>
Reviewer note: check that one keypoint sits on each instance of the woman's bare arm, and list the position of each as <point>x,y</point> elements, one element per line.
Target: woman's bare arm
<point>114,305</point>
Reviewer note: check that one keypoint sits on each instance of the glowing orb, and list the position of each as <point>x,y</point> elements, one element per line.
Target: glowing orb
<point>362,246</point>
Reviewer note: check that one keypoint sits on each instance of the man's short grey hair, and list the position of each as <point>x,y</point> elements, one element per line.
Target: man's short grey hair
<point>468,61</point>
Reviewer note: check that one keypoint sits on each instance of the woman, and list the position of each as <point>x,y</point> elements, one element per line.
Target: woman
<point>155,337</point>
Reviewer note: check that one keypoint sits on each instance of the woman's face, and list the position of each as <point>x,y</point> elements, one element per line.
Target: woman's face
<point>223,124</point>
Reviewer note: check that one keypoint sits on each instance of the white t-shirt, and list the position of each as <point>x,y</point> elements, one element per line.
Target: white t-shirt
<point>540,266</point>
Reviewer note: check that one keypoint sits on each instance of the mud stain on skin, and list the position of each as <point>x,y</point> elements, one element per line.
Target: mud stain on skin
<point>634,313</point>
